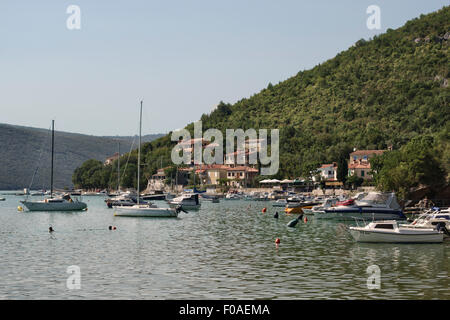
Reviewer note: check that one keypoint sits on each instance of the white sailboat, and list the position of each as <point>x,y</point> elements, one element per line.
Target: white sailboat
<point>63,203</point>
<point>144,210</point>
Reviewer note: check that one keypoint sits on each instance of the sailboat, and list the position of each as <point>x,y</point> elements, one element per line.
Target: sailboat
<point>64,203</point>
<point>149,209</point>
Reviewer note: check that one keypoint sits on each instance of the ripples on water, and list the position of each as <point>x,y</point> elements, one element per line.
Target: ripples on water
<point>222,251</point>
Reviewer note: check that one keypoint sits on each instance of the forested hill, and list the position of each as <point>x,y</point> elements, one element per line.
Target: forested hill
<point>379,92</point>
<point>23,149</point>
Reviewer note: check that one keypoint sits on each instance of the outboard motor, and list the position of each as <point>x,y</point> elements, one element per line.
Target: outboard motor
<point>440,226</point>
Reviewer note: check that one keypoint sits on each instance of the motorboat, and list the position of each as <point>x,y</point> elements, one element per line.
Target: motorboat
<point>232,196</point>
<point>297,207</point>
<point>430,219</point>
<point>390,231</point>
<point>2,199</point>
<point>374,206</point>
<point>328,203</point>
<point>62,203</point>
<point>153,196</point>
<point>187,201</point>
<point>212,198</point>
<point>125,200</point>
<point>280,203</point>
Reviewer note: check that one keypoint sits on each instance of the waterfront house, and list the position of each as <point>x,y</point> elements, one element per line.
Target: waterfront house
<point>328,172</point>
<point>359,163</point>
<point>241,176</point>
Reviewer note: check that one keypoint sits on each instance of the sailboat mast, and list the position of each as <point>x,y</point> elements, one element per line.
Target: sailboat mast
<point>139,154</point>
<point>53,153</point>
<point>118,169</point>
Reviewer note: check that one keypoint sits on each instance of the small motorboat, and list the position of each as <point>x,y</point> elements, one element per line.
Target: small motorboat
<point>389,231</point>
<point>297,208</point>
<point>431,219</point>
<point>187,201</point>
<point>2,199</point>
<point>280,203</point>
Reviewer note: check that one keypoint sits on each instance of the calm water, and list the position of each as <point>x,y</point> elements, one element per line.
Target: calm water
<point>223,251</point>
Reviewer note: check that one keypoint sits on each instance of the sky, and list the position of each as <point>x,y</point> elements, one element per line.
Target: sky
<point>180,57</point>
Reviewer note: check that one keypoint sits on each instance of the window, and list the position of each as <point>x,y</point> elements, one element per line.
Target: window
<point>362,173</point>
<point>384,226</point>
<point>355,158</point>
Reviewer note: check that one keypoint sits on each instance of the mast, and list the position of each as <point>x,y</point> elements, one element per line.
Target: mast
<point>139,154</point>
<point>53,153</point>
<point>118,170</point>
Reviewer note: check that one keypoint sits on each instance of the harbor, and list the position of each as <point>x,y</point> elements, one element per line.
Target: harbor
<point>223,250</point>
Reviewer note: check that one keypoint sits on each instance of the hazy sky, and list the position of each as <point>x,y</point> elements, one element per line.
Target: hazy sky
<point>181,57</point>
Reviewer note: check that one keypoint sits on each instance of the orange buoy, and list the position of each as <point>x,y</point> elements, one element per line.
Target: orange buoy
<point>264,210</point>
<point>277,240</point>
<point>305,220</point>
<point>114,228</point>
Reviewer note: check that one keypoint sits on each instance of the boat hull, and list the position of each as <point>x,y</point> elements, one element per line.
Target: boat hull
<point>364,214</point>
<point>147,212</point>
<point>54,206</point>
<point>395,237</point>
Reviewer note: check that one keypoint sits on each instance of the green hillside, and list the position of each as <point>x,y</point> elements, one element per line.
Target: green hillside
<point>24,149</point>
<point>380,92</point>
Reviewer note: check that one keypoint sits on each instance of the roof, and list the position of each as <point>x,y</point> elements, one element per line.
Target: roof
<point>334,164</point>
<point>366,152</point>
<point>358,165</point>
<point>243,168</point>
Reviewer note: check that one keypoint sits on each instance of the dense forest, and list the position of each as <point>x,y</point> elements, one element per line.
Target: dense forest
<point>384,91</point>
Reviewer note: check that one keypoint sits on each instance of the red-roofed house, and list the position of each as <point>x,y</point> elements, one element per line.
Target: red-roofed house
<point>241,176</point>
<point>359,163</point>
<point>328,172</point>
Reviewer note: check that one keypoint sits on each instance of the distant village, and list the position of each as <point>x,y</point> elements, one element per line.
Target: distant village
<point>244,175</point>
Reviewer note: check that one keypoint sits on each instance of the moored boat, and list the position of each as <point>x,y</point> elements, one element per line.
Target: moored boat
<point>390,232</point>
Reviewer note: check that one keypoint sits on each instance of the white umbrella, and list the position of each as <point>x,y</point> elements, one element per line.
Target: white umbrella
<point>265,181</point>
<point>274,181</point>
<point>287,181</point>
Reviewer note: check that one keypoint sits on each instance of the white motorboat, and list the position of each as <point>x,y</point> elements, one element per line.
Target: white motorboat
<point>139,209</point>
<point>374,206</point>
<point>2,199</point>
<point>430,219</point>
<point>187,201</point>
<point>319,209</point>
<point>390,231</point>
<point>280,203</point>
<point>63,203</point>
<point>232,196</point>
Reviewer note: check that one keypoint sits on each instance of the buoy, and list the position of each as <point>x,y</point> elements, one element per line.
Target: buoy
<point>305,220</point>
<point>19,208</point>
<point>50,229</point>
<point>114,228</point>
<point>277,240</point>
<point>276,215</point>
<point>110,227</point>
<point>264,210</point>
